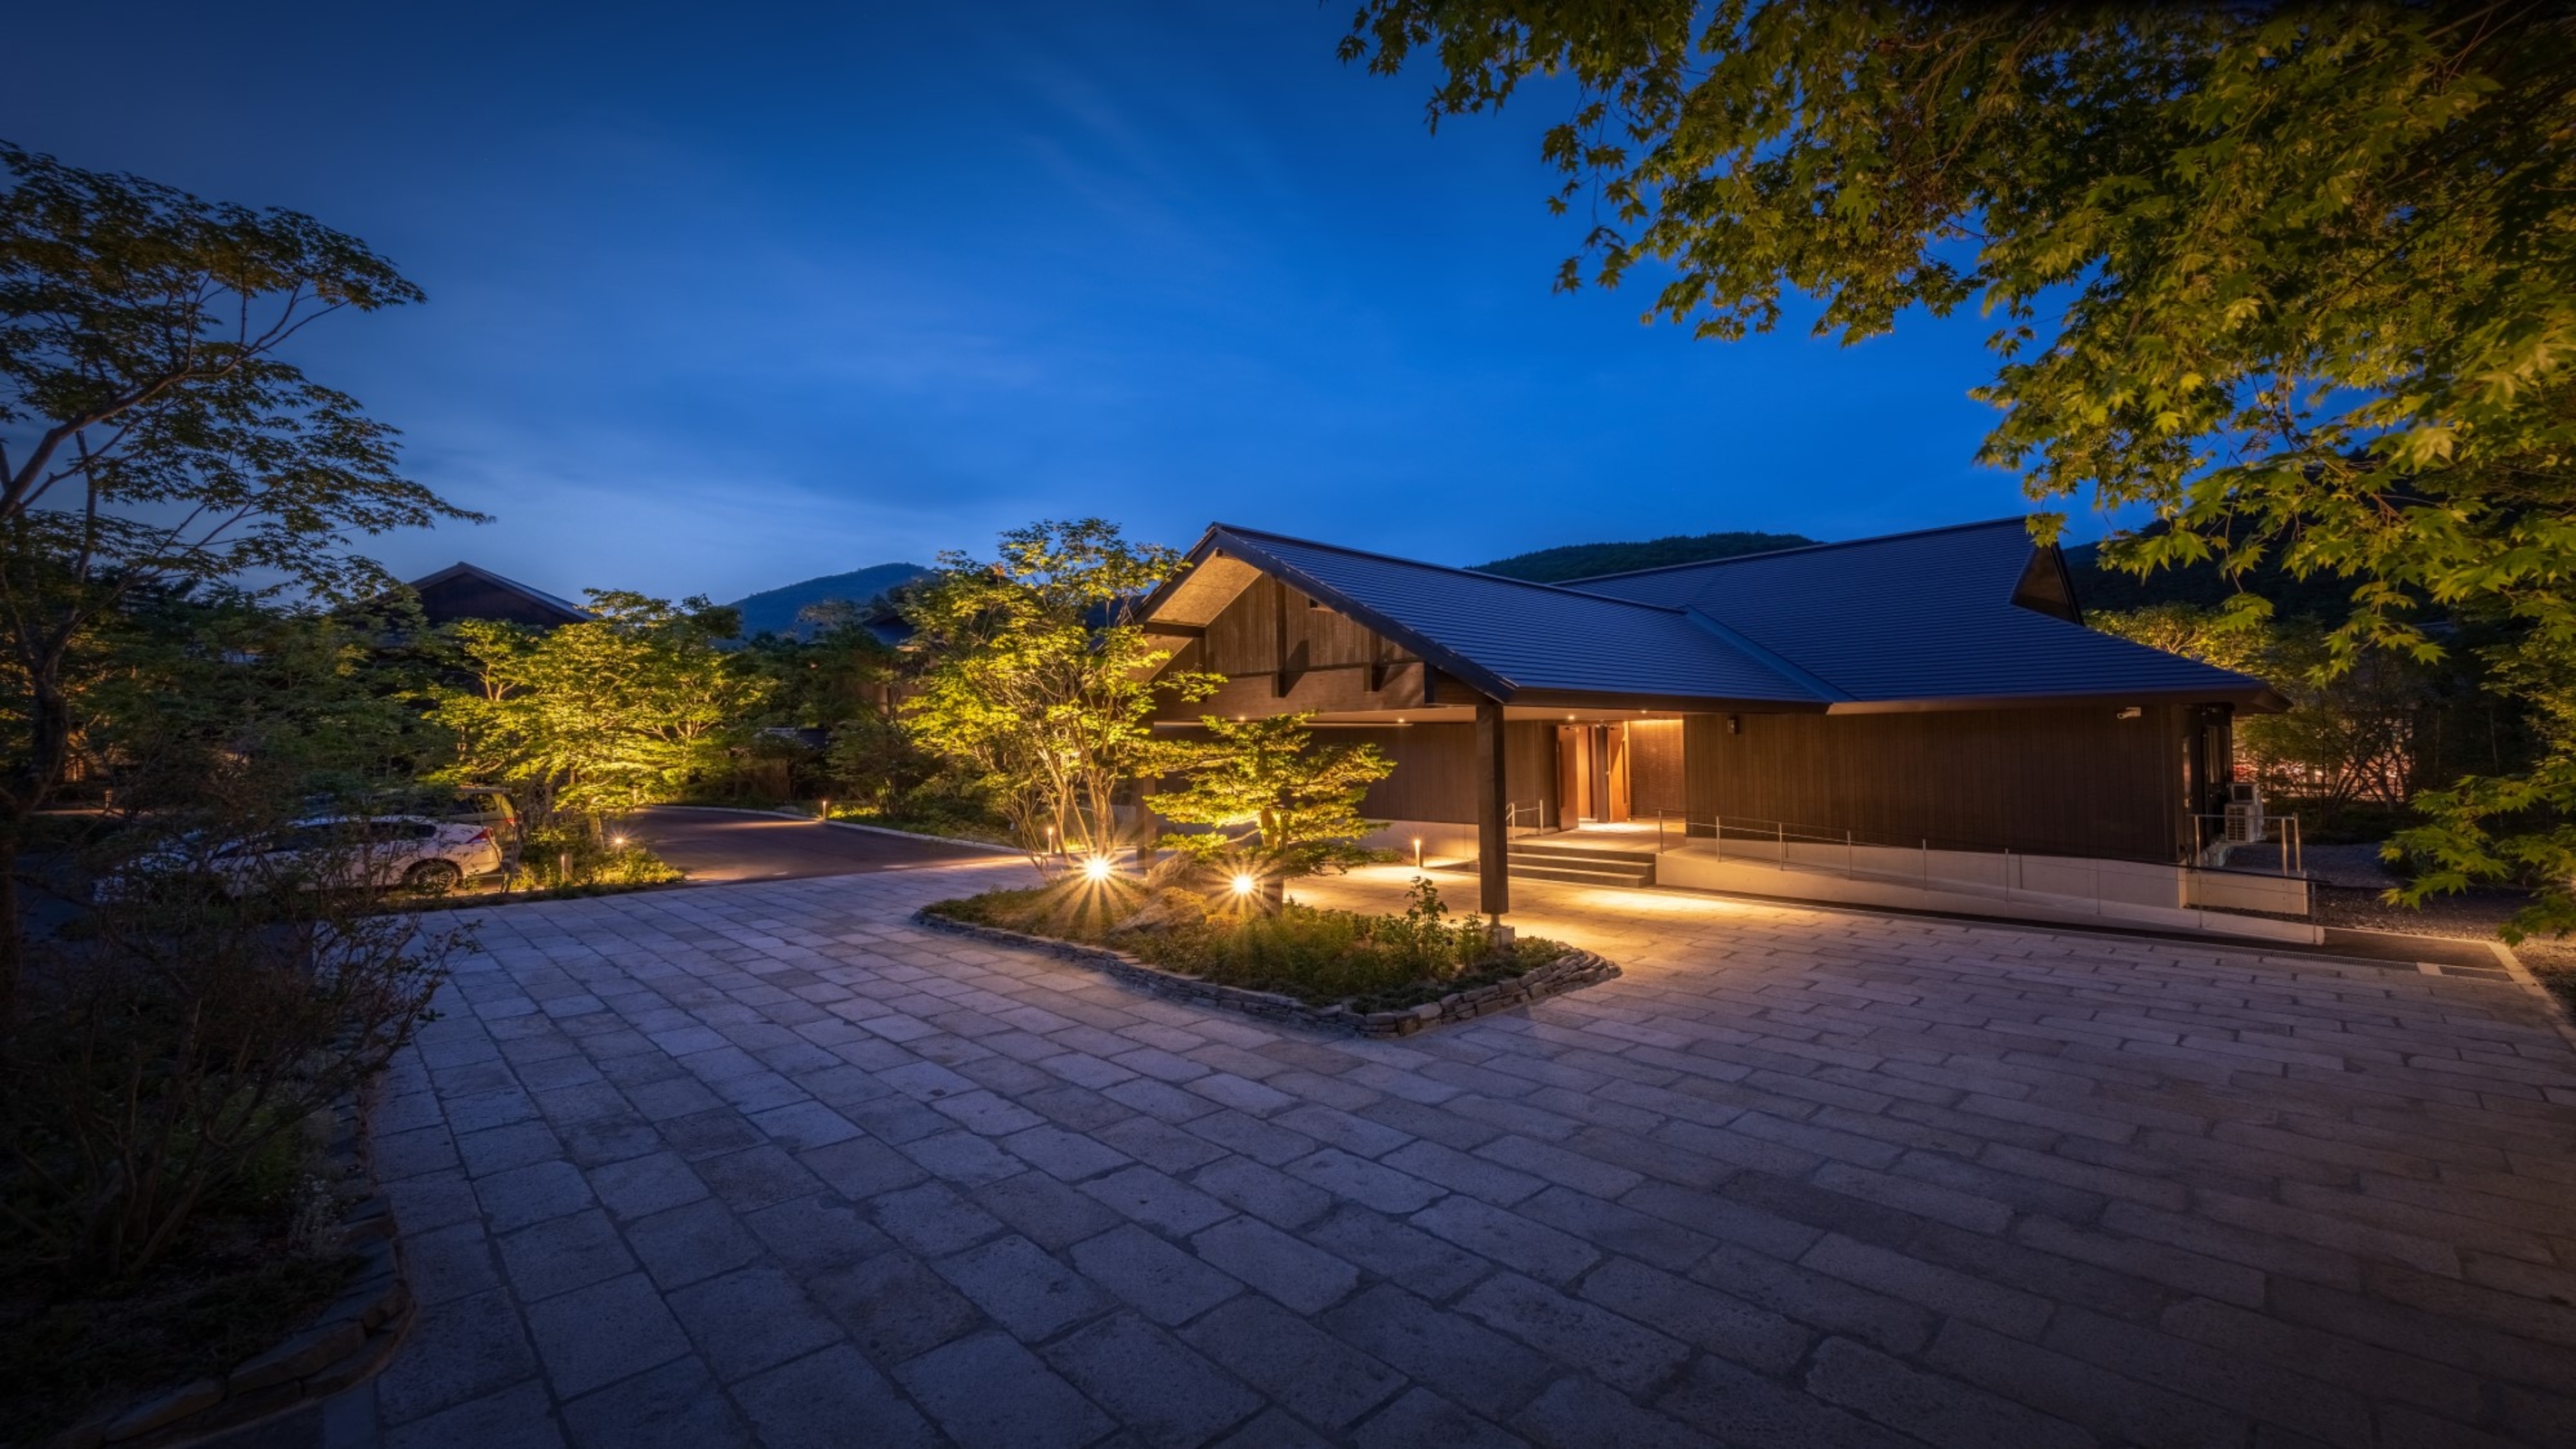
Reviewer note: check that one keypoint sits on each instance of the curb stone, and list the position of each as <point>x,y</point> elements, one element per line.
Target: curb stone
<point>347,1343</point>
<point>1569,972</point>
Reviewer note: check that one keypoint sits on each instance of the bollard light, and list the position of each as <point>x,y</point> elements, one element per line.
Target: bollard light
<point>1417,852</point>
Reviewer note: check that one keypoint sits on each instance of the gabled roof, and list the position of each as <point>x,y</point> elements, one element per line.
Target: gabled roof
<point>1508,637</point>
<point>1950,617</point>
<point>546,607</point>
<point>1921,617</point>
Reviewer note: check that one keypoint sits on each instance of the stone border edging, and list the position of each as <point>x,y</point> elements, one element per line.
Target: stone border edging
<point>347,1344</point>
<point>1571,971</point>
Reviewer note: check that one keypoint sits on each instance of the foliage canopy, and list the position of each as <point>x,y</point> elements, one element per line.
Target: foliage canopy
<point>1039,679</point>
<point>2297,279</point>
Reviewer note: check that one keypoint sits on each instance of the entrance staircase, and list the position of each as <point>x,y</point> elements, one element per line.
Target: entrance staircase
<point>1580,861</point>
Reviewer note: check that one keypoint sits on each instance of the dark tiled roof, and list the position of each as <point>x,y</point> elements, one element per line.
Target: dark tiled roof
<point>1913,618</point>
<point>1522,636</point>
<point>1916,616</point>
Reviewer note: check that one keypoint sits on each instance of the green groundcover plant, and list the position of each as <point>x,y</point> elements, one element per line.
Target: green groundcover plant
<point>1319,956</point>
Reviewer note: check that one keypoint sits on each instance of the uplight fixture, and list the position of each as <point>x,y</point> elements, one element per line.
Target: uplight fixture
<point>1096,868</point>
<point>1243,884</point>
<point>617,842</point>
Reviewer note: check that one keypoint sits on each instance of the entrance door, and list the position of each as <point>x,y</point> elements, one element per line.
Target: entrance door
<point>1592,772</point>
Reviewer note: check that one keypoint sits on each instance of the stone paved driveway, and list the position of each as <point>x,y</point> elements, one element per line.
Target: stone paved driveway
<point>765,1163</point>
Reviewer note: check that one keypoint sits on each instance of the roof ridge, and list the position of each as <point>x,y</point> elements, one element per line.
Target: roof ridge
<point>1709,563</point>
<point>1441,568</point>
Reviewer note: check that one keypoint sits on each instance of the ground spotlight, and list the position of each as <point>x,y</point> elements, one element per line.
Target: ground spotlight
<point>1243,885</point>
<point>1097,868</point>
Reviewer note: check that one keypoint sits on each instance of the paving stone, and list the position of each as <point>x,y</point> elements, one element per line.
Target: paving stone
<point>987,1390</point>
<point>497,1149</point>
<point>602,1333</point>
<point>449,1262</point>
<point>1750,1409</point>
<point>1617,1351</point>
<point>695,1240</point>
<point>1164,1283</point>
<point>1449,1353</point>
<point>1301,1276</point>
<point>1718,1322</point>
<point>2147,1192</point>
<point>1368,1183</point>
<point>1390,1249</point>
<point>893,1306</point>
<point>1930,1406</point>
<point>676,1406</point>
<point>1046,1211</point>
<point>1159,1391</point>
<point>860,1168</point>
<point>561,1254</point>
<point>1266,1193</point>
<point>1309,1372</point>
<point>1616,1229</point>
<point>518,1417</point>
<point>1022,1287</point>
<point>829,1400</point>
<point>1422,1417</point>
<point>1068,1156</point>
<point>1576,1413</point>
<point>1273,1430</point>
<point>813,1234</point>
<point>641,1186</point>
<point>749,1320</point>
<point>803,1125</point>
<point>1157,1200</point>
<point>467,1348</point>
<point>932,1219</point>
<point>1535,1249</point>
<point>518,1196</point>
<point>756,1177</point>
<point>1455,1170</point>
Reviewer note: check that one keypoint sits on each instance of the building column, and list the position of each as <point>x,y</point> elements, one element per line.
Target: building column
<point>1493,837</point>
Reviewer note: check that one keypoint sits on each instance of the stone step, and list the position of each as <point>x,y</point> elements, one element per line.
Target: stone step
<point>1522,869</point>
<point>1609,855</point>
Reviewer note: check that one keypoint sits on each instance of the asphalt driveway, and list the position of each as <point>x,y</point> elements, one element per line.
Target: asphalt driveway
<point>769,1164</point>
<point>730,845</point>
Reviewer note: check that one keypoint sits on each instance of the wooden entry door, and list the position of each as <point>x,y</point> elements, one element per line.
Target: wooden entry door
<point>1592,772</point>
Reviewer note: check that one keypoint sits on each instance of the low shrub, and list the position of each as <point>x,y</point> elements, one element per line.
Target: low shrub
<point>1319,956</point>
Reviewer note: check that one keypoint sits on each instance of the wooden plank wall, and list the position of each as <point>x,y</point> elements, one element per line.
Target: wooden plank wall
<point>1655,775</point>
<point>1435,767</point>
<point>2067,781</point>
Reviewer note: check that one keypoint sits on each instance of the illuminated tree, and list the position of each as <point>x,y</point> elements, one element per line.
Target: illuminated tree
<point>1301,800</point>
<point>1038,678</point>
<point>595,719</point>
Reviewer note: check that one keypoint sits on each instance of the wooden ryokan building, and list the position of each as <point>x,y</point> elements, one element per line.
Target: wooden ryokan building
<point>1936,687</point>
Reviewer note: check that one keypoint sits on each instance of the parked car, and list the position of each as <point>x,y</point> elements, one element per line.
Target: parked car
<point>332,851</point>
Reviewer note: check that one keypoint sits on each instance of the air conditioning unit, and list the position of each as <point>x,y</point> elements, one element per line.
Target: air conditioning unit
<point>2244,813</point>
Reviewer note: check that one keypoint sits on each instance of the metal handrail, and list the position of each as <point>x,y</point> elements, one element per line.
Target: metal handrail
<point>1778,837</point>
<point>2293,847</point>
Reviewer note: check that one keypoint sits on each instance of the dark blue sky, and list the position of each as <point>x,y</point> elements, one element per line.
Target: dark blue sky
<point>724,298</point>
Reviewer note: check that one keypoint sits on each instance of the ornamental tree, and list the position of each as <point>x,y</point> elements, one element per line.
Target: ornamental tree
<point>2296,279</point>
<point>1038,678</point>
<point>1301,802</point>
<point>595,719</point>
<point>154,430</point>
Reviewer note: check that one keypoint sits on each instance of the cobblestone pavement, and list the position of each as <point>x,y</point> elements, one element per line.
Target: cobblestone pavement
<point>765,1163</point>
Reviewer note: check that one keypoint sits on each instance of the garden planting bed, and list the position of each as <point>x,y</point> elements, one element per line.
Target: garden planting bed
<point>1499,987</point>
<point>351,1337</point>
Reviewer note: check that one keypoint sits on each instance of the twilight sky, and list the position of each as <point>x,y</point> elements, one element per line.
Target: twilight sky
<point>721,298</point>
